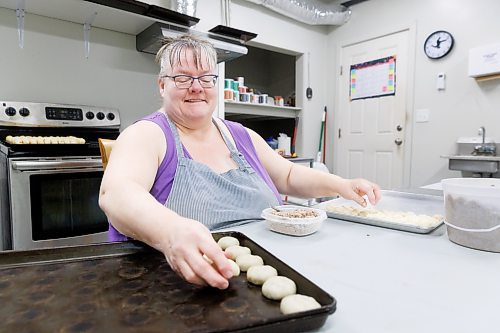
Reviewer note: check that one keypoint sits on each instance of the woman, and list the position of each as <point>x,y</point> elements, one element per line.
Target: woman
<point>179,173</point>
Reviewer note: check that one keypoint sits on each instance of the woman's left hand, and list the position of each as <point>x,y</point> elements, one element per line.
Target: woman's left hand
<point>356,189</point>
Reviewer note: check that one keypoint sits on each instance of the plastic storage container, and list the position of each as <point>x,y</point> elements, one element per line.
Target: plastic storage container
<point>472,212</point>
<point>295,226</point>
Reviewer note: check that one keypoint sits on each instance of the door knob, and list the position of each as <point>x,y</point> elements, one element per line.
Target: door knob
<point>398,141</point>
<point>399,128</point>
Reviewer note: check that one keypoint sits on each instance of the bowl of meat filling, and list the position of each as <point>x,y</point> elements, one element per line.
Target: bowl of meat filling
<point>294,220</point>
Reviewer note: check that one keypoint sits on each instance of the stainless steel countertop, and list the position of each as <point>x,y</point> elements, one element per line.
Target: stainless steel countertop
<point>392,281</point>
<point>472,157</point>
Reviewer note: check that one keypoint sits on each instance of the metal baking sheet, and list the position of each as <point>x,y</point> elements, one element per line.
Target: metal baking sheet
<point>394,201</point>
<point>129,287</point>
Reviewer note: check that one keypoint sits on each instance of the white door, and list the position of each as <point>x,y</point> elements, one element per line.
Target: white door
<point>371,132</point>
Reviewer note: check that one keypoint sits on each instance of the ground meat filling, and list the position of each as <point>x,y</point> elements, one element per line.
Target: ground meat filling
<point>297,213</point>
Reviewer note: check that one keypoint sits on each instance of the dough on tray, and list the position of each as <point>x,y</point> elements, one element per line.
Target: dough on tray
<point>409,218</point>
<point>277,287</point>
<point>235,268</point>
<point>236,250</point>
<point>227,241</point>
<point>259,274</point>
<point>245,261</point>
<point>298,303</point>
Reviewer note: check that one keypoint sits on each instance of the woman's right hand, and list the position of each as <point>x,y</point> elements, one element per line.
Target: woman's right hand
<point>187,241</point>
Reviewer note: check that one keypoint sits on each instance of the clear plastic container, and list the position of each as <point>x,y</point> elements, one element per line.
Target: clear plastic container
<point>472,212</point>
<point>295,226</point>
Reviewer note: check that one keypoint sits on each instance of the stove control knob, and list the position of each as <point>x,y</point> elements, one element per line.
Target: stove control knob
<point>100,115</point>
<point>10,111</point>
<point>24,112</point>
<point>110,116</point>
<point>89,115</point>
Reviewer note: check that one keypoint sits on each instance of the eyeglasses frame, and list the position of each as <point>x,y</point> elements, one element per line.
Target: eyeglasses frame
<point>173,77</point>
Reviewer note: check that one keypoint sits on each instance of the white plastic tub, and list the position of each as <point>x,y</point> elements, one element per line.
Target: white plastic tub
<point>472,212</point>
<point>295,226</point>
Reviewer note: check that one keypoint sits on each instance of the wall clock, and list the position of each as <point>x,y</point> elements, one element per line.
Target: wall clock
<point>438,44</point>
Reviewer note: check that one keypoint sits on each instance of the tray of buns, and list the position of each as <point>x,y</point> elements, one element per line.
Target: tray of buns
<point>412,212</point>
<point>130,287</point>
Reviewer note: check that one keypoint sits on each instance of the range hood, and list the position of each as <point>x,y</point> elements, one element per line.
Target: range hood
<point>224,39</point>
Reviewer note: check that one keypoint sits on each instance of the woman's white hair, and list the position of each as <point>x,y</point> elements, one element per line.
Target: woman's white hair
<point>174,51</point>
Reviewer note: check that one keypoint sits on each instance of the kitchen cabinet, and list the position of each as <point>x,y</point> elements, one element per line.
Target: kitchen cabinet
<point>266,72</point>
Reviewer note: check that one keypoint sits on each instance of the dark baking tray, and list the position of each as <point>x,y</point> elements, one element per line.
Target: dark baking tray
<point>130,287</point>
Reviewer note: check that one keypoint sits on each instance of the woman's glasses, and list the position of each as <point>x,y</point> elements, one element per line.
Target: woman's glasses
<point>186,81</point>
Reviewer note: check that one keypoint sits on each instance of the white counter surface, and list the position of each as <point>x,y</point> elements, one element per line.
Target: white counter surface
<point>393,281</point>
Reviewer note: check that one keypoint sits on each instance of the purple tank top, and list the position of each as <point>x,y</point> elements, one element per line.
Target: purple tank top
<point>166,171</point>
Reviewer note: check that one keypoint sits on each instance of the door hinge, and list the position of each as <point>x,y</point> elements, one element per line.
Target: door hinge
<point>340,133</point>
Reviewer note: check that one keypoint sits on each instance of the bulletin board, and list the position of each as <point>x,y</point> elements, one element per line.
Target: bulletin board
<point>374,78</point>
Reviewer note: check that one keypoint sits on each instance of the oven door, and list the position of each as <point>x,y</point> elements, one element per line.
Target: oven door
<point>54,202</point>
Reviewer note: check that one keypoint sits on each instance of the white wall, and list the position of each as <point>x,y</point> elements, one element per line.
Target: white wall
<point>465,105</point>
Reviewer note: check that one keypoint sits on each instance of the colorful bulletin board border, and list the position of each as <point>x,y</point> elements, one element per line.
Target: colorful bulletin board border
<point>372,79</point>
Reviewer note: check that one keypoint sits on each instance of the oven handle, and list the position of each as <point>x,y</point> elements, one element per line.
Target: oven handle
<point>46,165</point>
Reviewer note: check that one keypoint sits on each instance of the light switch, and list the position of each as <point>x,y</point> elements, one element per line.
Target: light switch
<point>422,115</point>
<point>440,81</point>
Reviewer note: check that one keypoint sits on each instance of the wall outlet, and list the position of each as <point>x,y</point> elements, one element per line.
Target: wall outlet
<point>422,115</point>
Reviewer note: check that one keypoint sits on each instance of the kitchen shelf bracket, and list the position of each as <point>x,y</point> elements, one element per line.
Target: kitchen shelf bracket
<point>86,33</point>
<point>20,12</point>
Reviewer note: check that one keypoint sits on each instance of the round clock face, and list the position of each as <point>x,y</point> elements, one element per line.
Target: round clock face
<point>438,44</point>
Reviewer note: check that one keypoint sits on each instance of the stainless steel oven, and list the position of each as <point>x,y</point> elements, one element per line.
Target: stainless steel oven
<point>50,189</point>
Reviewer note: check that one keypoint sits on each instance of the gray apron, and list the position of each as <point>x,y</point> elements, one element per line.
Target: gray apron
<point>217,200</point>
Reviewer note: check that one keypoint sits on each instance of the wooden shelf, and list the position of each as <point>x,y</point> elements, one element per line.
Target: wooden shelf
<point>249,110</point>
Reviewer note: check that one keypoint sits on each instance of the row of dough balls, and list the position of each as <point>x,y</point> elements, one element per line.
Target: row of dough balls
<point>410,218</point>
<point>274,287</point>
<point>26,139</point>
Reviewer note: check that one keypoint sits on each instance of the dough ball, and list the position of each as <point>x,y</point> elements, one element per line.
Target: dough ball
<point>259,274</point>
<point>227,241</point>
<point>298,303</point>
<point>235,268</point>
<point>277,287</point>
<point>236,250</point>
<point>245,261</point>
